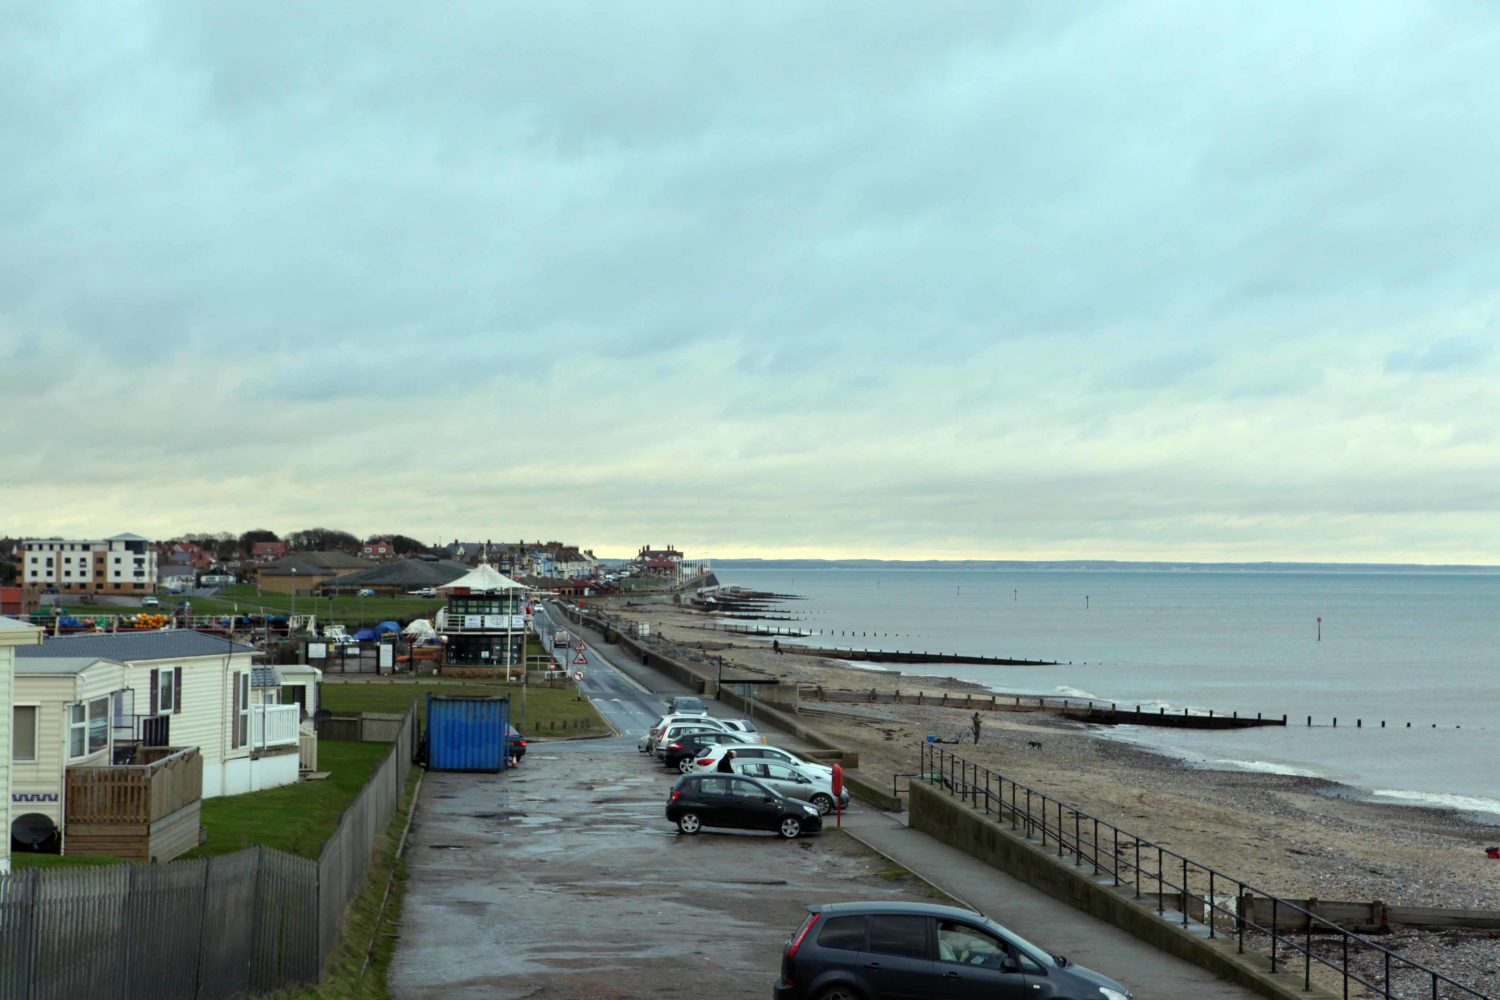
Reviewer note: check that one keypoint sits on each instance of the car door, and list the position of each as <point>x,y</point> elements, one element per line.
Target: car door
<point>972,964</point>
<point>786,781</point>
<point>714,804</point>
<point>896,963</point>
<point>752,807</point>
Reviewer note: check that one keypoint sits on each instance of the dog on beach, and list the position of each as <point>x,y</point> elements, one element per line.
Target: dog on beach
<point>1033,744</point>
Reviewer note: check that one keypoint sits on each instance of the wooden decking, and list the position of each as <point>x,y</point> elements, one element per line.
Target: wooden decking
<point>140,812</point>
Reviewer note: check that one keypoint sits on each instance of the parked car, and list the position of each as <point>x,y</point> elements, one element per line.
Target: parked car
<point>687,748</point>
<point>365,592</point>
<point>729,800</point>
<point>745,726</point>
<point>793,782</point>
<point>672,731</point>
<point>150,602</point>
<point>647,743</point>
<point>922,949</point>
<point>419,592</point>
<point>683,705</point>
<point>517,743</point>
<point>710,760</point>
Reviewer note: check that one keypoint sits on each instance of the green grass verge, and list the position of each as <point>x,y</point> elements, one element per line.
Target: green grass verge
<point>538,711</point>
<point>27,860</point>
<point>293,818</point>
<point>359,965</point>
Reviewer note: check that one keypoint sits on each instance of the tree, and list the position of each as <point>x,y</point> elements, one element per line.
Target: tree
<point>407,546</point>
<point>249,538</point>
<point>322,540</point>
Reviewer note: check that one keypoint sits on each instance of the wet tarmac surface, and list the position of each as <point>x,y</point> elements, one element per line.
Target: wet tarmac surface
<point>562,878</point>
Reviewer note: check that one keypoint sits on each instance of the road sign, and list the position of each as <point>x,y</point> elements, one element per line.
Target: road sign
<point>578,675</point>
<point>580,647</point>
<point>581,660</point>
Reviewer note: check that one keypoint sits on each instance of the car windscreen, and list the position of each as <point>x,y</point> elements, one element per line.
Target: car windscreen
<point>1031,950</point>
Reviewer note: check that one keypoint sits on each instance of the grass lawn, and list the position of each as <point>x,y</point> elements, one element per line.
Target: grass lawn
<point>346,610</point>
<point>294,818</point>
<point>548,711</point>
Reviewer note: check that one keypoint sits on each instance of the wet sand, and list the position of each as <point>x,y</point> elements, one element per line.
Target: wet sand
<point>1295,837</point>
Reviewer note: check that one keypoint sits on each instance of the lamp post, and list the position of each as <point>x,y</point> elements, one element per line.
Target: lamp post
<point>294,592</point>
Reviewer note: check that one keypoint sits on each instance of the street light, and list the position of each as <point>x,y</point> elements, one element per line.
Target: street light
<point>294,592</point>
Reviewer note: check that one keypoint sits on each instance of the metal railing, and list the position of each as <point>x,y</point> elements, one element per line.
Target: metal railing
<point>1217,898</point>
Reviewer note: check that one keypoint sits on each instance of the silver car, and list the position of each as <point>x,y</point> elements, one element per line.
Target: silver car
<point>647,743</point>
<point>676,729</point>
<point>793,782</point>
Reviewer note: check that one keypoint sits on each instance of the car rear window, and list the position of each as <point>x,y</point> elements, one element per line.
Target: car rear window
<point>845,933</point>
<point>897,935</point>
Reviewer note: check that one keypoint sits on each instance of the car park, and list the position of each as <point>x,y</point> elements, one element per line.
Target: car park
<point>793,782</point>
<point>736,802</point>
<point>682,752</point>
<point>865,950</point>
<point>710,760</point>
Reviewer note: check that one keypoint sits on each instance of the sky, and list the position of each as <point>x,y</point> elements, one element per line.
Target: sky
<point>1134,280</point>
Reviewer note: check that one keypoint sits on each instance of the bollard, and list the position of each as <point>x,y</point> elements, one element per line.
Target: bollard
<point>1309,722</point>
<point>1359,723</point>
<point>1335,722</point>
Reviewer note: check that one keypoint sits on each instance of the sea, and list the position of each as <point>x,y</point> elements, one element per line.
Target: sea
<point>1361,647</point>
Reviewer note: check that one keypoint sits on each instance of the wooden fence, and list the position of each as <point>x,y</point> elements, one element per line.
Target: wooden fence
<point>239,924</point>
<point>139,812</point>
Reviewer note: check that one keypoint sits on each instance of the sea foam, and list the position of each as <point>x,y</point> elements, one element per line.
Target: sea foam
<point>1439,800</point>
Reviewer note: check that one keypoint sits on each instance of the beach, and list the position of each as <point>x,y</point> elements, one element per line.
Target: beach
<point>1292,836</point>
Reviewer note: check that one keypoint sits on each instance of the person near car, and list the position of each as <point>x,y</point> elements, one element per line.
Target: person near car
<point>726,763</point>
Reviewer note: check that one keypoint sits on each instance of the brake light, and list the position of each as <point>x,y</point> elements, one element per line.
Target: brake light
<point>807,925</point>
<point>674,746</point>
<point>705,761</point>
<point>676,795</point>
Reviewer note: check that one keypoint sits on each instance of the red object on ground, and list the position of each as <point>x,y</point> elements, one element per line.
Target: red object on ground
<point>838,793</point>
<point>1493,853</point>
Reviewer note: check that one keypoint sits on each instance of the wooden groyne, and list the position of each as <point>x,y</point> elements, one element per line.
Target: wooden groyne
<point>889,656</point>
<point>1071,708</point>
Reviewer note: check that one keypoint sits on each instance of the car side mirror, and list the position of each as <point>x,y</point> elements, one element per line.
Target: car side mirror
<point>768,799</point>
<point>1009,964</point>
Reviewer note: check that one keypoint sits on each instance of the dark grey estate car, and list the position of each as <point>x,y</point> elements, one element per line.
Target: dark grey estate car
<point>862,951</point>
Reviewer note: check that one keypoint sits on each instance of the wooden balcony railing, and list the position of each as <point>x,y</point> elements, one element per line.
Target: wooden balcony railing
<point>164,780</point>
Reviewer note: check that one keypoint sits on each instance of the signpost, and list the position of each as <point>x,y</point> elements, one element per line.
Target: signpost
<point>838,793</point>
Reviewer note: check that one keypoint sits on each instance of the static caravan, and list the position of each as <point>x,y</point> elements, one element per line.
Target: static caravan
<point>12,634</point>
<point>182,688</point>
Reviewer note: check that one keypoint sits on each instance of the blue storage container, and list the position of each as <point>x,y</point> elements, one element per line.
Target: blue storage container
<point>467,734</point>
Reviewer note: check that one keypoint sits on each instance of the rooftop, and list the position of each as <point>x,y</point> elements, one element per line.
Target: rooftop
<point>129,647</point>
<point>59,665</point>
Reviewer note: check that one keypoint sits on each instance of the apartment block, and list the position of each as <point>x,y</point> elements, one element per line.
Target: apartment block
<point>124,564</point>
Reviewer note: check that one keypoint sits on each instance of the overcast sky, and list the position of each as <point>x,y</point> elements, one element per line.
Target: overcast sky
<point>1128,280</point>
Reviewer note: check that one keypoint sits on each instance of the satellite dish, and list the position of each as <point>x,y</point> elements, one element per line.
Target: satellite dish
<point>33,830</point>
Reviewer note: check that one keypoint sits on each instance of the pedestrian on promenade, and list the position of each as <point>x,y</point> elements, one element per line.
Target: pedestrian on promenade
<point>726,763</point>
<point>977,721</point>
<point>776,646</point>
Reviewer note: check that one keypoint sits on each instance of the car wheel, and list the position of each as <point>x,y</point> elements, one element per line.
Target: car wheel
<point>838,993</point>
<point>689,823</point>
<point>822,803</point>
<point>685,765</point>
<point>790,827</point>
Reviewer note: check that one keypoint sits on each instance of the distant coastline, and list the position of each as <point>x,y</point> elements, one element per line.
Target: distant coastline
<point>1104,565</point>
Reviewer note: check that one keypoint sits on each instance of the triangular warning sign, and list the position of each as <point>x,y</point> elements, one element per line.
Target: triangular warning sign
<point>581,660</point>
<point>580,647</point>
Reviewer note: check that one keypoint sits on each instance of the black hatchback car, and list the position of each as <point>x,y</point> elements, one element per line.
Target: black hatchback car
<point>740,803</point>
<point>860,951</point>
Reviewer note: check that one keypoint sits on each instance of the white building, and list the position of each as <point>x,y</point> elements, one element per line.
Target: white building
<point>13,634</point>
<point>124,564</point>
